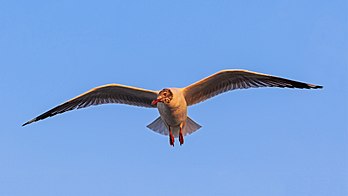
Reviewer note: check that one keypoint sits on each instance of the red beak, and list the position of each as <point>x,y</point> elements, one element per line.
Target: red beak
<point>154,102</point>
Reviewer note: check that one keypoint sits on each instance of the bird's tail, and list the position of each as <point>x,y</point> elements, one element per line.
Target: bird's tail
<point>190,126</point>
<point>160,127</point>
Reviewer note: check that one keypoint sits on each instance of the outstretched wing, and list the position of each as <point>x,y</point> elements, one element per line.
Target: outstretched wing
<point>110,93</point>
<point>227,80</point>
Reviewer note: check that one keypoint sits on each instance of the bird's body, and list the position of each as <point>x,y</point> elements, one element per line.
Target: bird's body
<point>174,113</point>
<point>172,103</point>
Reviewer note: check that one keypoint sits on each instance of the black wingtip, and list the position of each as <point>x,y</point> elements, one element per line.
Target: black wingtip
<point>25,124</point>
<point>30,121</point>
<point>314,86</point>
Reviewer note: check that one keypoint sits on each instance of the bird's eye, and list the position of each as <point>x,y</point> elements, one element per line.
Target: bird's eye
<point>165,94</point>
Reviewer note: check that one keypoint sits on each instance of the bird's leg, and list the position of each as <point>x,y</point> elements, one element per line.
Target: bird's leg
<point>171,137</point>
<point>181,136</point>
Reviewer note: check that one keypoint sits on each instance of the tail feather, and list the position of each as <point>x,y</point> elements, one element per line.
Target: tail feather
<point>160,127</point>
<point>190,126</point>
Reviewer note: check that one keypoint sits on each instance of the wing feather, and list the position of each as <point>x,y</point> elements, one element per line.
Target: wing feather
<point>110,93</point>
<point>227,80</point>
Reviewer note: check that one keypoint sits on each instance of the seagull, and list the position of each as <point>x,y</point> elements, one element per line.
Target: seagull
<point>172,103</point>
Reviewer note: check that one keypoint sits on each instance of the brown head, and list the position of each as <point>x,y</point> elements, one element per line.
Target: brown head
<point>164,96</point>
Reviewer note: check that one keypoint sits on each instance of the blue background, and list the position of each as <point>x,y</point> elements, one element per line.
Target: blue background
<point>253,142</point>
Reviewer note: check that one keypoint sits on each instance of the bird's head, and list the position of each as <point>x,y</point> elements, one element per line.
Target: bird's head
<point>164,96</point>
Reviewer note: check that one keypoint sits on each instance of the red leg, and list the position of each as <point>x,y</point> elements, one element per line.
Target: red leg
<point>171,138</point>
<point>181,137</point>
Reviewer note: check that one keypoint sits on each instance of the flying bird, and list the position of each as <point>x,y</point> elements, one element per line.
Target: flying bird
<point>172,103</point>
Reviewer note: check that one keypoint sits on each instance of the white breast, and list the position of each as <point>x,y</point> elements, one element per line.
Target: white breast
<point>174,113</point>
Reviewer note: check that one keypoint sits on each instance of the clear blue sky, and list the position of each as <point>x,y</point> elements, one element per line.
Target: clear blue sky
<point>253,142</point>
